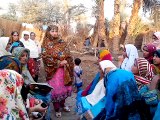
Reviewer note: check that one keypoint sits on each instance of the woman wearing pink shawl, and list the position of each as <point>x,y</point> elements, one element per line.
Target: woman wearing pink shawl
<point>156,39</point>
<point>148,52</point>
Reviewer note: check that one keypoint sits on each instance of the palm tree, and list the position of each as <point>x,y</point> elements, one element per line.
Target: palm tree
<point>116,26</point>
<point>134,16</point>
<point>148,5</point>
<point>100,25</point>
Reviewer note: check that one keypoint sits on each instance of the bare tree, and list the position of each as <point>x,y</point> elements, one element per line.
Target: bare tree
<point>43,11</point>
<point>11,14</point>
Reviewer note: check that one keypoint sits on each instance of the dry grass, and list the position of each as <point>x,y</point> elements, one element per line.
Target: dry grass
<point>8,26</point>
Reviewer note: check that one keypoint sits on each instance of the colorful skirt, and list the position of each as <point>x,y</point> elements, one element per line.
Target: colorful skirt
<point>60,91</point>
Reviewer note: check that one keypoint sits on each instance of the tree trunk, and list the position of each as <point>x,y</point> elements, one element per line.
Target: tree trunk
<point>116,26</point>
<point>95,34</point>
<point>101,23</point>
<point>133,18</point>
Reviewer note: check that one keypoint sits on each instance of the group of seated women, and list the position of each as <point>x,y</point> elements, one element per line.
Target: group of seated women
<point>127,92</point>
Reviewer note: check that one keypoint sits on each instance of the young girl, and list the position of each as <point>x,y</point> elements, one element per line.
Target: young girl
<point>77,74</point>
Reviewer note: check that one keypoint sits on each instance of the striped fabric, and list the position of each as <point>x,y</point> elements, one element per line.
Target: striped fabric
<point>145,71</point>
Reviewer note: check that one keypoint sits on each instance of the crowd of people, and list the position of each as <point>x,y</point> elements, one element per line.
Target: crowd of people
<point>129,91</point>
<point>22,97</point>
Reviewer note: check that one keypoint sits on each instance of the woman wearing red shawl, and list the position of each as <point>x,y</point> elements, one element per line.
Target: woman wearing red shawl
<point>58,65</point>
<point>148,52</point>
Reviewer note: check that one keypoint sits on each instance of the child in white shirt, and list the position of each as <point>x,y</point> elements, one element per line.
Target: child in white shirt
<point>77,74</point>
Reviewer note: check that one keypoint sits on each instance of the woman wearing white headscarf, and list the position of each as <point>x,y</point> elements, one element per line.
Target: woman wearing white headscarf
<point>130,53</point>
<point>4,46</point>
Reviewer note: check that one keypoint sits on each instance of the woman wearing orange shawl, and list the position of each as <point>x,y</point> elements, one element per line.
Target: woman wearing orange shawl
<point>58,65</point>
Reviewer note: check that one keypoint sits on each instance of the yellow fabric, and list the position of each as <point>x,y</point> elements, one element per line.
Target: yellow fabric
<point>103,53</point>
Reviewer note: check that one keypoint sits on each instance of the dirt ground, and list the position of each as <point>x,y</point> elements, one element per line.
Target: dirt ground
<point>90,68</point>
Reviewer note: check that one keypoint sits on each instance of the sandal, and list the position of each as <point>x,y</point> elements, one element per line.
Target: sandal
<point>66,109</point>
<point>58,114</point>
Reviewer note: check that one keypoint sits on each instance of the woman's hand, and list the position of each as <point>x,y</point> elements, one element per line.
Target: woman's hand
<point>64,62</point>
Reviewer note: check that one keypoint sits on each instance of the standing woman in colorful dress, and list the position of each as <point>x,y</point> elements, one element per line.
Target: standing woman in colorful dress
<point>58,64</point>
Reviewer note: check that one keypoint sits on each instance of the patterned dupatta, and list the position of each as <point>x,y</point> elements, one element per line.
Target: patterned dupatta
<point>145,71</point>
<point>55,51</point>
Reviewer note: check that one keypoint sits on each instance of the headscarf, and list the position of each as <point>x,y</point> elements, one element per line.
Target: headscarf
<point>17,52</point>
<point>99,90</point>
<point>25,32</point>
<point>157,34</point>
<point>105,55</point>
<point>145,71</point>
<point>3,44</point>
<point>151,49</point>
<point>132,54</point>
<point>11,103</point>
<point>47,34</point>
<point>157,42</point>
<point>10,62</point>
<point>107,64</point>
